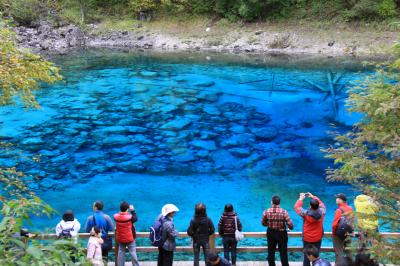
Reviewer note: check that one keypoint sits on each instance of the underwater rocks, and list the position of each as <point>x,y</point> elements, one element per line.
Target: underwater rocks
<point>148,74</point>
<point>265,133</point>
<point>203,144</point>
<point>136,130</point>
<point>32,141</point>
<point>176,124</point>
<point>204,84</point>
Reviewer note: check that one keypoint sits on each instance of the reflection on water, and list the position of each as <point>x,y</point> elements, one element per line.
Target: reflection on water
<point>185,128</point>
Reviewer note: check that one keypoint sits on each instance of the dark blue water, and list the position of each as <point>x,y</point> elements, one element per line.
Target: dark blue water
<point>182,128</point>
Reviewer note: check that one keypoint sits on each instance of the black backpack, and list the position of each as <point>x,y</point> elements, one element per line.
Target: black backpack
<point>345,226</point>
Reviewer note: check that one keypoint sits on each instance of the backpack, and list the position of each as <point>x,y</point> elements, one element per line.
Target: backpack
<point>156,233</point>
<point>66,233</point>
<point>345,226</point>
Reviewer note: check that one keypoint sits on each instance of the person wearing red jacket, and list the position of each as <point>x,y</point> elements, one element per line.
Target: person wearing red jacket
<point>313,219</point>
<point>125,233</point>
<point>341,246</point>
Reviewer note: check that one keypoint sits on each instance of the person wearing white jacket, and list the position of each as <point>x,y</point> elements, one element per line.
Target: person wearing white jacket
<point>68,227</point>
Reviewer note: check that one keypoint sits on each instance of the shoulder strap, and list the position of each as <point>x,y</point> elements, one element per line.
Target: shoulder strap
<point>236,226</point>
<point>94,220</point>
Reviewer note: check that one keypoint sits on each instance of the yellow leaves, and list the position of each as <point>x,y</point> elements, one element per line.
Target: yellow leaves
<point>21,71</point>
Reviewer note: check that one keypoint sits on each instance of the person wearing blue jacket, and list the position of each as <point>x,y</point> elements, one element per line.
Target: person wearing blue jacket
<point>104,222</point>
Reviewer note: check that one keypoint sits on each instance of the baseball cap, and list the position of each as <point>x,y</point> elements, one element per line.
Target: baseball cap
<point>341,196</point>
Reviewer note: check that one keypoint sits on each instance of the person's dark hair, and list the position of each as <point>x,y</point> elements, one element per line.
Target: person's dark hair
<point>276,200</point>
<point>124,206</point>
<point>311,250</point>
<point>314,204</point>
<point>68,216</point>
<point>99,205</point>
<point>200,209</point>
<point>96,229</point>
<point>228,208</point>
<point>213,257</point>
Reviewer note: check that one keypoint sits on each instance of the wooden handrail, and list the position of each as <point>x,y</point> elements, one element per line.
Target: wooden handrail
<point>247,235</point>
<point>213,248</point>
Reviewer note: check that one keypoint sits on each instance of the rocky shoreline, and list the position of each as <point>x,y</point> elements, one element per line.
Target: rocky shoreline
<point>48,39</point>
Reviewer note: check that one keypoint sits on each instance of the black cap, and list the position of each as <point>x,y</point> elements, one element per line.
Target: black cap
<point>341,196</point>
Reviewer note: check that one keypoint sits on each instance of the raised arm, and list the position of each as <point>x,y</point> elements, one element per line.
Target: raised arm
<point>298,206</point>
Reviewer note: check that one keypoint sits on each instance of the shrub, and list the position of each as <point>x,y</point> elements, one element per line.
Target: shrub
<point>387,9</point>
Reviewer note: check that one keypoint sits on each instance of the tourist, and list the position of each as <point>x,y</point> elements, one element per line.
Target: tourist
<point>104,222</point>
<point>169,234</point>
<point>367,217</point>
<point>312,253</point>
<point>313,219</point>
<point>200,229</point>
<point>277,220</point>
<point>216,260</point>
<point>226,228</point>
<point>125,233</point>
<point>68,227</point>
<point>94,254</point>
<point>342,227</point>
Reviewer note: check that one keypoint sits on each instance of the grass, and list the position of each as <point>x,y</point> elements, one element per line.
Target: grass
<point>378,36</point>
<point>114,24</point>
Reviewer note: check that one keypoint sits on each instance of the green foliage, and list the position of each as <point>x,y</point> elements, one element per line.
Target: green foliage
<point>250,10</point>
<point>387,9</point>
<point>29,12</point>
<point>142,5</point>
<point>368,157</point>
<point>14,249</point>
<point>369,10</point>
<point>21,71</point>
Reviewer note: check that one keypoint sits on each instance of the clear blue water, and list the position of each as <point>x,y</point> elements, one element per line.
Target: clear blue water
<point>181,128</point>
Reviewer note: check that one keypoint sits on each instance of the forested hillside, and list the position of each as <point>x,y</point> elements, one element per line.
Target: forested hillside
<point>28,12</point>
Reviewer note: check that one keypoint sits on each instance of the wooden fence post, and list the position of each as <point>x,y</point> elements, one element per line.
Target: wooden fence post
<point>212,243</point>
<point>116,247</point>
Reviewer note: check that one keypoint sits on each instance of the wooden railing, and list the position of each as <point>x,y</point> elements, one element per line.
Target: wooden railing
<point>255,249</point>
<point>213,247</point>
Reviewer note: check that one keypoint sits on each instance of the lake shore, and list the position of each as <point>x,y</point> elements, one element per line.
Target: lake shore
<point>255,38</point>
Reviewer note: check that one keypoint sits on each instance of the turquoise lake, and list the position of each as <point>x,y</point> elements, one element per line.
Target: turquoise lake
<point>154,128</point>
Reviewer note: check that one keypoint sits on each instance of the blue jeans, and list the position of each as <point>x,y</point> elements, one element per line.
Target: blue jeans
<point>132,250</point>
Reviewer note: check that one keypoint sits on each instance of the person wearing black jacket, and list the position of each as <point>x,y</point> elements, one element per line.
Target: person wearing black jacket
<point>226,228</point>
<point>200,229</point>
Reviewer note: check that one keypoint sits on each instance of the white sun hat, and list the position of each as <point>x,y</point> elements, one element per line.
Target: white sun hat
<point>168,208</point>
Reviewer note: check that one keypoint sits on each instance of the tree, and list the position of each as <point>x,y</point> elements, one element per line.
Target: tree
<point>20,73</point>
<point>368,157</point>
